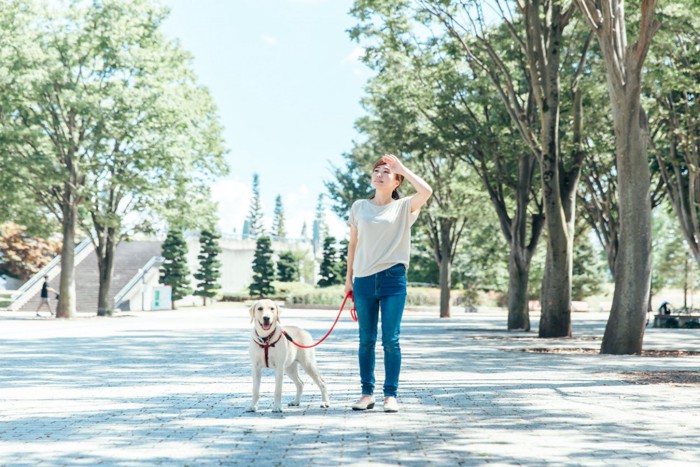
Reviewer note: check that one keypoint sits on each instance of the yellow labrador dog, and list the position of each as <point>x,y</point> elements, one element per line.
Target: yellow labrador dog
<point>270,349</point>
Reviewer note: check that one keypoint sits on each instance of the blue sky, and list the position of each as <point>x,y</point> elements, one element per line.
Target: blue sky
<point>287,81</point>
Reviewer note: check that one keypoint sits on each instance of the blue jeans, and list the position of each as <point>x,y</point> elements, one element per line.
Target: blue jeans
<point>385,290</point>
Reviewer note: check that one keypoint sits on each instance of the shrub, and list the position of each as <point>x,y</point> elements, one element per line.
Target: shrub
<point>670,323</point>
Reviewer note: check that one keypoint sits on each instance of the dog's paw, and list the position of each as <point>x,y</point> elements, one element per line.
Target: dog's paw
<point>294,404</point>
<point>325,404</point>
<point>252,408</point>
<point>277,409</point>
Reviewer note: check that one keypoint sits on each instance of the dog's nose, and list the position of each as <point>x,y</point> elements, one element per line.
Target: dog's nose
<point>266,319</point>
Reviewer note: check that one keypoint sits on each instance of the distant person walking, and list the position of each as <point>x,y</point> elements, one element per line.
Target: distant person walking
<point>45,289</point>
<point>378,255</point>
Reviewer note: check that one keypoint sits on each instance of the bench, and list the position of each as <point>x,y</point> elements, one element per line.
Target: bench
<point>676,321</point>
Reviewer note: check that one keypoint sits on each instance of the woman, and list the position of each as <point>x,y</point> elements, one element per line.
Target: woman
<point>378,254</point>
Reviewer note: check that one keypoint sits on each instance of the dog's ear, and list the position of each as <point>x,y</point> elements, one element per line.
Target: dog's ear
<point>252,311</point>
<point>278,312</point>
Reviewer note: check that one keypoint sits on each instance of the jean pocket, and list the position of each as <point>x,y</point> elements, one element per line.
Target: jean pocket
<point>397,270</point>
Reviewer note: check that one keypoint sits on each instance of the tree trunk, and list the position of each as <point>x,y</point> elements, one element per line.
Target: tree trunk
<point>445,266</point>
<point>521,250</point>
<point>106,270</point>
<point>624,332</point>
<point>555,320</point>
<point>518,284</point>
<point>67,301</point>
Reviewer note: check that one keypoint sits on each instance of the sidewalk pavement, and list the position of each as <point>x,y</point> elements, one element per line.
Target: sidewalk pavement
<point>170,388</point>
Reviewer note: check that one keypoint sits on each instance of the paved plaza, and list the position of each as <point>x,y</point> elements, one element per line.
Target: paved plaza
<point>170,388</point>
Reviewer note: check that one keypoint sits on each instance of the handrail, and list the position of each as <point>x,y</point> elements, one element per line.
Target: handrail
<point>45,271</point>
<point>137,278</point>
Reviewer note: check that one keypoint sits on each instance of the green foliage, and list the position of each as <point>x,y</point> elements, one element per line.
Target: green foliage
<point>288,267</point>
<point>672,323</point>
<point>263,269</point>
<point>104,125</point>
<point>174,271</point>
<point>671,263</point>
<point>278,227</point>
<point>330,270</point>
<point>209,265</point>
<point>351,182</point>
<point>589,270</point>
<point>254,226</point>
<point>343,259</point>
<point>320,228</point>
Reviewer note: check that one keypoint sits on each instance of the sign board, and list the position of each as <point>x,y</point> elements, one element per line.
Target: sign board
<point>162,297</point>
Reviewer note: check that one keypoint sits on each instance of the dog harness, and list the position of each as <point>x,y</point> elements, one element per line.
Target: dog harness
<point>265,344</point>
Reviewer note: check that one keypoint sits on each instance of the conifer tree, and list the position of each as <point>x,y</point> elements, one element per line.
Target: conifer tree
<point>343,260</point>
<point>255,215</point>
<point>174,271</point>
<point>278,227</point>
<point>209,265</point>
<point>320,228</point>
<point>263,269</point>
<point>330,266</point>
<point>288,267</point>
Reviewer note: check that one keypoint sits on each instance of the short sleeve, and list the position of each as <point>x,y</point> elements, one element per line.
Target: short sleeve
<point>352,217</point>
<point>412,216</point>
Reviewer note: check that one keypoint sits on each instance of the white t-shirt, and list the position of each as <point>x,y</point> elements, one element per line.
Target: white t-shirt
<point>383,235</point>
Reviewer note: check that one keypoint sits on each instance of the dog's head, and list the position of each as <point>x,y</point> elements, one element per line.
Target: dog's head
<point>265,314</point>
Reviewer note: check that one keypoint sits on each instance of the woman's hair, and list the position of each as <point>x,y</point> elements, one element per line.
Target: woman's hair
<point>395,193</point>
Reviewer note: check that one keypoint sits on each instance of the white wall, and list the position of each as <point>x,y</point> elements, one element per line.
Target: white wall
<point>237,259</point>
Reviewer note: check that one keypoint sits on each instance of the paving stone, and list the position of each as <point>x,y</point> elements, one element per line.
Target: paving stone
<point>171,388</point>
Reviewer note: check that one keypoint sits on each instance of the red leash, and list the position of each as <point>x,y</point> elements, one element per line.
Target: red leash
<point>353,315</point>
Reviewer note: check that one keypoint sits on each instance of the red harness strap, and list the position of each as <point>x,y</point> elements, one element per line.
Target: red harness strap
<point>264,343</point>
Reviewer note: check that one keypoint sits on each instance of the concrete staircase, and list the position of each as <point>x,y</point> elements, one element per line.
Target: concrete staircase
<point>129,258</point>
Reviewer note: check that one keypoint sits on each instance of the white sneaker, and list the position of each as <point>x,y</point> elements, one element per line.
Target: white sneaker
<point>366,402</point>
<point>391,405</point>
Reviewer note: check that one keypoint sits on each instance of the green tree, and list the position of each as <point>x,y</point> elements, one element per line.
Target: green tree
<point>209,271</point>
<point>330,265</point>
<point>288,267</point>
<point>624,65</point>
<point>174,271</point>
<point>428,103</point>
<point>351,181</point>
<point>320,228</point>
<point>674,116</point>
<point>255,214</point>
<point>343,259</point>
<point>114,129</point>
<point>278,227</point>
<point>589,271</point>
<point>263,269</point>
<point>671,259</point>
<point>546,46</point>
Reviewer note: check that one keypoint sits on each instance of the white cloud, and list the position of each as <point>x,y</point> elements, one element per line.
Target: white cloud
<point>355,56</point>
<point>233,197</point>
<point>336,227</point>
<point>269,40</point>
<point>354,61</point>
